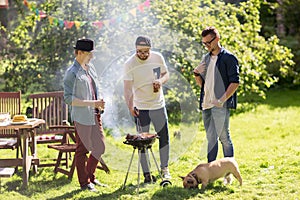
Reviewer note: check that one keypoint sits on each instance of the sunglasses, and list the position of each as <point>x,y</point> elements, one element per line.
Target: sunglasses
<point>209,42</point>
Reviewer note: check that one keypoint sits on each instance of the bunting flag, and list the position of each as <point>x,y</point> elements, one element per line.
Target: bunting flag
<point>133,12</point>
<point>53,21</point>
<point>98,24</point>
<point>77,24</point>
<point>50,20</point>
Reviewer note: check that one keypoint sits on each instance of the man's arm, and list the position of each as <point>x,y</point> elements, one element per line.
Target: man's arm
<point>198,78</point>
<point>164,77</point>
<point>128,94</point>
<point>200,69</point>
<point>85,103</point>
<point>228,93</point>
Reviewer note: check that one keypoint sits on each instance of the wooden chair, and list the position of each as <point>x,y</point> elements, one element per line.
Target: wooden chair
<point>50,106</point>
<point>10,139</point>
<point>68,145</point>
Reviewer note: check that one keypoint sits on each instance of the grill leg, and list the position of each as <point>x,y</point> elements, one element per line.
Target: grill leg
<point>155,163</point>
<point>148,162</point>
<point>139,165</point>
<point>128,169</point>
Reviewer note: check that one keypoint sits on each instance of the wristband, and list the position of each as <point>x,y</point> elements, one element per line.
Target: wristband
<point>220,102</point>
<point>196,74</point>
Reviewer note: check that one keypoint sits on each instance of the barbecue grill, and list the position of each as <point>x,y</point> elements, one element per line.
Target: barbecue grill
<point>142,141</point>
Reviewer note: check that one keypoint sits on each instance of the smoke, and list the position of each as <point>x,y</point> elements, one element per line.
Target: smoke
<point>117,119</point>
<point>113,49</point>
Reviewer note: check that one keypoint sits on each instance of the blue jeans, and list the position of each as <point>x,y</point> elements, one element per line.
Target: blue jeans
<point>216,124</point>
<point>159,120</point>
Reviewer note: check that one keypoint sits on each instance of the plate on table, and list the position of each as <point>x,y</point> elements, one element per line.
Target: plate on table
<point>18,123</point>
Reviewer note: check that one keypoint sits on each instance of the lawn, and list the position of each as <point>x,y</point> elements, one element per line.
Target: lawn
<point>267,147</point>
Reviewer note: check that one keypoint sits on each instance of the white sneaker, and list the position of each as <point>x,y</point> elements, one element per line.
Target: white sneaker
<point>165,173</point>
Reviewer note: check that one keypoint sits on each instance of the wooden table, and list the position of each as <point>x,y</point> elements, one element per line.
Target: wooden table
<point>27,132</point>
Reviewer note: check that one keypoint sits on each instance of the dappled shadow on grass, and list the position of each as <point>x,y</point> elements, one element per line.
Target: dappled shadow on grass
<point>131,190</point>
<point>41,183</point>
<point>68,195</point>
<point>218,187</point>
<point>175,192</point>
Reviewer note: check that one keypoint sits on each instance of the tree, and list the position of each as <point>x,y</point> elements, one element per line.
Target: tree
<point>239,27</point>
<point>38,52</point>
<point>282,18</point>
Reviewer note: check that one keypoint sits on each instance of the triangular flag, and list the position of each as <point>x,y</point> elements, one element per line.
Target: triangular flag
<point>106,23</point>
<point>25,3</point>
<point>32,7</point>
<point>55,21</point>
<point>125,17</point>
<point>133,12</point>
<point>68,24</point>
<point>141,7</point>
<point>29,6</point>
<point>61,23</point>
<point>98,24</point>
<point>77,24</point>
<point>42,15</point>
<point>119,19</point>
<point>112,20</point>
<point>83,23</point>
<point>50,20</point>
<point>147,3</point>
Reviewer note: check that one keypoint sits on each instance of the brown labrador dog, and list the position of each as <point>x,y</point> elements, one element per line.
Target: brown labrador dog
<point>209,172</point>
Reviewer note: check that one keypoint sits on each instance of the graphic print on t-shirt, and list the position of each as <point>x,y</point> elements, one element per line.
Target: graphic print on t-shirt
<point>156,72</point>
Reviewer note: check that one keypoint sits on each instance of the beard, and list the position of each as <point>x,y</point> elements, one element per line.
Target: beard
<point>144,57</point>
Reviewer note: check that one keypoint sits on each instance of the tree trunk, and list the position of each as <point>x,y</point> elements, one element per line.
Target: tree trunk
<point>280,30</point>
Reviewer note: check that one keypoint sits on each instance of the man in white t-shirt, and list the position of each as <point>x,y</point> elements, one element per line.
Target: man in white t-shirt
<point>145,73</point>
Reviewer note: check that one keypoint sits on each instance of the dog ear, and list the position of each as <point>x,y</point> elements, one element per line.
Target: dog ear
<point>182,177</point>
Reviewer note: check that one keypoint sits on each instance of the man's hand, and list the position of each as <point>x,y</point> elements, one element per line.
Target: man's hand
<point>100,104</point>
<point>157,85</point>
<point>200,69</point>
<point>134,112</point>
<point>217,103</point>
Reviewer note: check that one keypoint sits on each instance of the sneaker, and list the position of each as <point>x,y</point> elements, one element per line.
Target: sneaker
<point>98,183</point>
<point>149,179</point>
<point>90,187</point>
<point>165,173</point>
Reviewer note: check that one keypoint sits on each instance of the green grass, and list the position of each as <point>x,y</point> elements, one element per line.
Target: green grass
<point>267,148</point>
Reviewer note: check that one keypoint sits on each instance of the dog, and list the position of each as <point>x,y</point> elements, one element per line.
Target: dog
<point>209,172</point>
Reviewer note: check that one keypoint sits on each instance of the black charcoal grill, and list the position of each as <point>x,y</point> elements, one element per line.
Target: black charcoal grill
<point>142,141</point>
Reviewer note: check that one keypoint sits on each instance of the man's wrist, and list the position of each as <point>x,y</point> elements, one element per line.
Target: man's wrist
<point>220,102</point>
<point>196,74</point>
